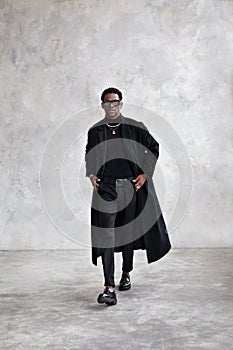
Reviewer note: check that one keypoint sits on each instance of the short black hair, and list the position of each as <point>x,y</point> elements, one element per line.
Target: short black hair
<point>111,90</point>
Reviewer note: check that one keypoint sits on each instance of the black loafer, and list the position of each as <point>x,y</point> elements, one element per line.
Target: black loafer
<point>125,283</point>
<point>107,297</point>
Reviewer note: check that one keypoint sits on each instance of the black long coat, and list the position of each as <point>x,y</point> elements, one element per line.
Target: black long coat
<point>143,151</point>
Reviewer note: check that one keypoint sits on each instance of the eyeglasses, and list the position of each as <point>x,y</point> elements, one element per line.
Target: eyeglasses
<point>113,102</point>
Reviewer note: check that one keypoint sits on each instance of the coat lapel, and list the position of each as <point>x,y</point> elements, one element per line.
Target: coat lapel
<point>102,146</point>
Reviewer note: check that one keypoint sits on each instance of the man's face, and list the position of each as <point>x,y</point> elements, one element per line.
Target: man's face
<point>112,109</point>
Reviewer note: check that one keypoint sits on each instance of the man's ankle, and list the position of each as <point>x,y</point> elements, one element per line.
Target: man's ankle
<point>125,273</point>
<point>111,288</point>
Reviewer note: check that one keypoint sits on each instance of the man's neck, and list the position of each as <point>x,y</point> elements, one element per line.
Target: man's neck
<point>117,119</point>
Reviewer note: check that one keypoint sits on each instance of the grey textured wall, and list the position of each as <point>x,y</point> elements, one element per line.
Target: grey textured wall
<point>173,58</point>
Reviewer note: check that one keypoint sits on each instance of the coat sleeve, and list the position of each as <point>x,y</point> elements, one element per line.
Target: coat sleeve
<point>90,154</point>
<point>151,151</point>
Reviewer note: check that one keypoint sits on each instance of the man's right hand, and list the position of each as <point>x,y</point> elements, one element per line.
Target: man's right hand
<point>94,180</point>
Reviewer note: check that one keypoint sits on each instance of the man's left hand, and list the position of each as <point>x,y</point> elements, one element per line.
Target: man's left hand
<point>139,181</point>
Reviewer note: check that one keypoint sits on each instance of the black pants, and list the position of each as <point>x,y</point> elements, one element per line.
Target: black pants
<point>108,263</point>
<point>107,220</point>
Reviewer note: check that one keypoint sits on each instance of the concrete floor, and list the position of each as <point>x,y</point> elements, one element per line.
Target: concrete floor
<point>182,302</point>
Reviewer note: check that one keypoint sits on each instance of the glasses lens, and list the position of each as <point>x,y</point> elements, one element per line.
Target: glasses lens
<point>113,102</point>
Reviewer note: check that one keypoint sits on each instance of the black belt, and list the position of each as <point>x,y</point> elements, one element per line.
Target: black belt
<point>114,181</point>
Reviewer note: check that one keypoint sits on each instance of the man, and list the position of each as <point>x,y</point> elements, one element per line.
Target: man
<point>125,215</point>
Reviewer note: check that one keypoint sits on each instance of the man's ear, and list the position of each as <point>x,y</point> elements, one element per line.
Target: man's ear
<point>102,106</point>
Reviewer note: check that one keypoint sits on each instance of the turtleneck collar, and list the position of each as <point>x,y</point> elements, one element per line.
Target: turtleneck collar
<point>113,121</point>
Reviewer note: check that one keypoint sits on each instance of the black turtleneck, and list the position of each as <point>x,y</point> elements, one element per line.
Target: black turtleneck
<point>118,168</point>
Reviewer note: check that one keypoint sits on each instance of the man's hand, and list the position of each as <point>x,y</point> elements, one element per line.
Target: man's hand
<point>139,181</point>
<point>94,180</point>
